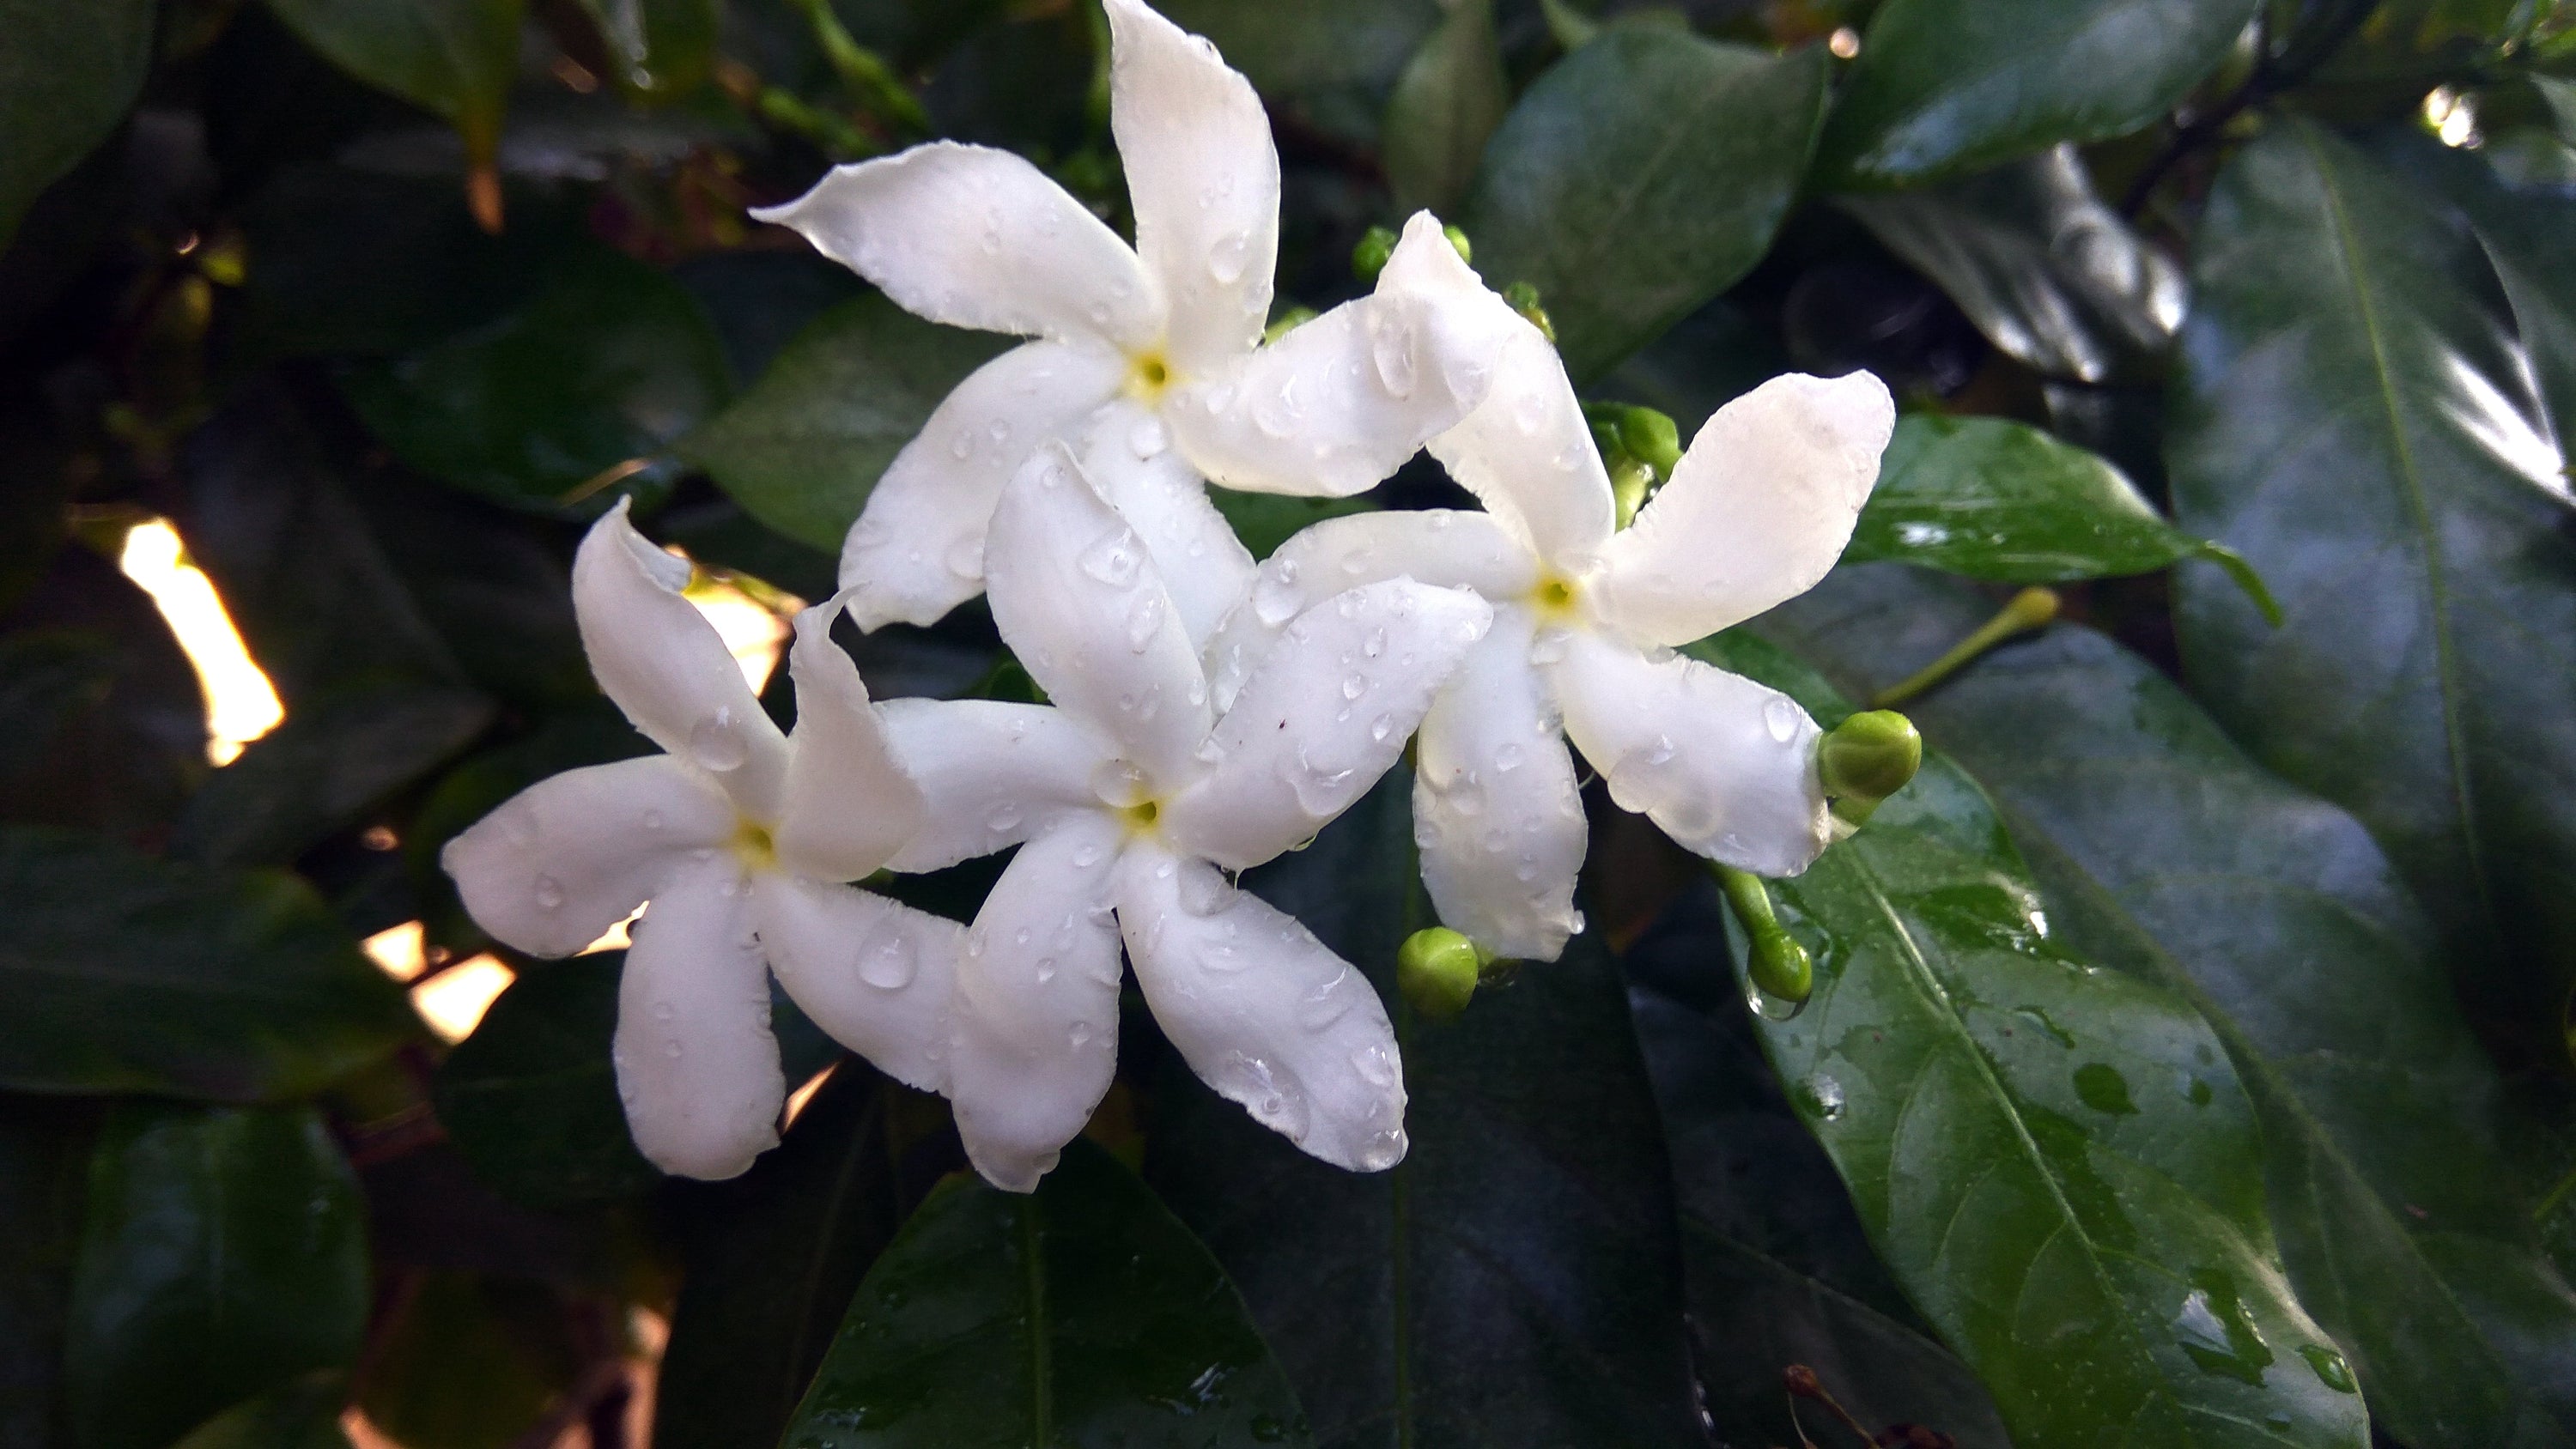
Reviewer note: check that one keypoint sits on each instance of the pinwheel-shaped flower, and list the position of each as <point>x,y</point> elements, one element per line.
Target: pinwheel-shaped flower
<point>737,837</point>
<point>1148,360</point>
<point>1585,617</point>
<point>1133,797</point>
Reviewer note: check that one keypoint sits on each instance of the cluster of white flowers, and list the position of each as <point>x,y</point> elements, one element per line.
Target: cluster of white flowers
<point>1207,714</point>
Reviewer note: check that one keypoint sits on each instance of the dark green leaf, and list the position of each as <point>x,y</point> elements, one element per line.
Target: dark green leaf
<point>1266,520</point>
<point>2560,95</point>
<point>44,1171</point>
<point>104,726</point>
<point>470,1362</point>
<point>1319,45</point>
<point>2355,418</point>
<point>223,1251</point>
<point>612,363</point>
<point>1996,500</point>
<point>126,974</point>
<point>771,1260</point>
<point>1944,86</point>
<point>1516,1280</point>
<point>335,756</point>
<point>658,49</point>
<point>531,1098</point>
<point>2402,1225</point>
<point>1639,177</point>
<point>2056,1161</point>
<point>2049,273</point>
<point>66,77</point>
<point>804,447</point>
<point>1448,101</point>
<point>1081,1314</point>
<point>450,57</point>
<point>302,1415</point>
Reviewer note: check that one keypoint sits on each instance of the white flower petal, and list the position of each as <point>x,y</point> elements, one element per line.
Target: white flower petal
<point>665,665</point>
<point>1205,568</point>
<point>1322,717</point>
<point>1263,1012</point>
<point>1033,1035</point>
<point>1081,603</point>
<point>917,549</point>
<point>1758,510</point>
<point>1724,766</point>
<point>992,774</point>
<point>1204,179</point>
<point>1340,402</point>
<point>1527,454</point>
<point>848,805</point>
<point>874,974</point>
<point>1495,811</point>
<point>565,859</point>
<point>696,1065</point>
<point>1440,546</point>
<point>979,238</point>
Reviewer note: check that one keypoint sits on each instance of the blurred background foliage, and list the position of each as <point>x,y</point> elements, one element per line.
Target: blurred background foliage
<point>2213,979</point>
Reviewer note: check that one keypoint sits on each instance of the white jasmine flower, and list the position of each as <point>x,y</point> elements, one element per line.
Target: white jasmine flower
<point>737,837</point>
<point>1133,797</point>
<point>1147,360</point>
<point>1585,618</point>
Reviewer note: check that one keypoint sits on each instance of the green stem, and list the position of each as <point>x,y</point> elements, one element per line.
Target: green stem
<point>1780,966</point>
<point>2028,610</point>
<point>870,80</point>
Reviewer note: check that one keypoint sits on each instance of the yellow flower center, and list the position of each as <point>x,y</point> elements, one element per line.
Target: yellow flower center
<point>752,846</point>
<point>1141,816</point>
<point>1148,374</point>
<point>1555,598</point>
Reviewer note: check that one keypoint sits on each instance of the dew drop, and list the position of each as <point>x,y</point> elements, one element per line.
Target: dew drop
<point>1508,757</point>
<point>1228,257</point>
<point>1147,439</point>
<point>1003,816</point>
<point>889,964</point>
<point>1392,351</point>
<point>1355,685</point>
<point>550,893</point>
<point>1781,718</point>
<point>664,1011</point>
<point>1381,727</point>
<point>1144,620</point>
<point>716,742</point>
<point>1115,559</point>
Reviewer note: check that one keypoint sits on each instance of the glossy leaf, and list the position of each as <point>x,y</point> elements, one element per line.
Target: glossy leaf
<point>453,58</point>
<point>104,723</point>
<point>223,1251</point>
<point>44,1174</point>
<point>1317,46</point>
<point>1448,101</point>
<point>329,761</point>
<point>1639,177</point>
<point>803,448</point>
<point>2384,1125</point>
<point>1945,86</point>
<point>66,77</point>
<point>2356,420</point>
<point>1080,1314</point>
<point>123,973</point>
<point>531,1098</point>
<point>1434,1304</point>
<point>2047,271</point>
<point>613,363</point>
<point>2055,1160</point>
<point>1997,500</point>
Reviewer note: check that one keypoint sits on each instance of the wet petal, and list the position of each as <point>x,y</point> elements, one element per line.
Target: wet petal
<point>696,1065</point>
<point>1082,604</point>
<point>875,975</point>
<point>1204,179</point>
<point>992,774</point>
<point>1263,1012</point>
<point>1759,508</point>
<point>1495,811</point>
<point>849,805</point>
<point>1034,1029</point>
<point>1323,716</point>
<point>1724,766</point>
<point>568,857</point>
<point>917,549</point>
<point>665,665</point>
<point>979,238</point>
<point>1527,454</point>
<point>1128,455</point>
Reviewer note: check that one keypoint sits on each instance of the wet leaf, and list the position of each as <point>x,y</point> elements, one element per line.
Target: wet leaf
<point>333,758</point>
<point>531,1098</point>
<point>453,58</point>
<point>1448,101</point>
<point>1081,1314</point>
<point>44,1174</point>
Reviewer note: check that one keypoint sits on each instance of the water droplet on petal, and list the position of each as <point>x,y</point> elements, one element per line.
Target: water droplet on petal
<point>1144,620</point>
<point>1003,816</point>
<point>889,964</point>
<point>717,742</point>
<point>1507,757</point>
<point>1114,559</point>
<point>1147,439</point>
<point>1392,350</point>
<point>1781,718</point>
<point>549,893</point>
<point>1228,257</point>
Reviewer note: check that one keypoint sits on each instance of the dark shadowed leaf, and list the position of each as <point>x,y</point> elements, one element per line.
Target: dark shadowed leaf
<point>531,1098</point>
<point>658,49</point>
<point>469,1361</point>
<point>1448,101</point>
<point>1321,45</point>
<point>2050,274</point>
<point>66,77</point>
<point>2355,417</point>
<point>123,973</point>
<point>1944,86</point>
<point>44,1173</point>
<point>1081,1314</point>
<point>2056,1161</point>
<point>333,757</point>
<point>1440,1303</point>
<point>102,725</point>
<point>2403,1227</point>
<point>803,449</point>
<point>453,58</point>
<point>302,1415</point>
<point>1639,177</point>
<point>1266,520</point>
<point>1997,500</point>
<point>223,1251</point>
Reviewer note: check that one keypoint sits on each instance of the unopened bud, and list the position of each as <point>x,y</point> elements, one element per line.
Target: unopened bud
<point>1287,322</point>
<point>1458,238</point>
<point>1369,257</point>
<point>1778,964</point>
<point>1523,298</point>
<point>1867,758</point>
<point>1437,969</point>
<point>1651,438</point>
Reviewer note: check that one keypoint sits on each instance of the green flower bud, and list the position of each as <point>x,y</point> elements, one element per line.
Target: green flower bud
<point>1369,257</point>
<point>1867,758</point>
<point>1437,970</point>
<point>1523,298</point>
<point>1458,239</point>
<point>1779,965</point>
<point>1650,438</point>
<point>1631,482</point>
<point>1287,322</point>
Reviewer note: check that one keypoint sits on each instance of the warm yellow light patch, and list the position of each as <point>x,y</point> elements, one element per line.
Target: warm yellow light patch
<point>749,616</point>
<point>2452,116</point>
<point>615,938</point>
<point>454,1000</point>
<point>241,705</point>
<point>397,951</point>
<point>1148,375</point>
<point>797,1099</point>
